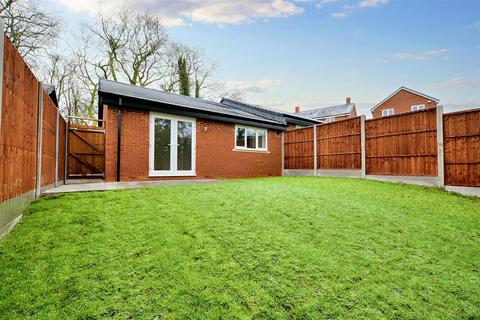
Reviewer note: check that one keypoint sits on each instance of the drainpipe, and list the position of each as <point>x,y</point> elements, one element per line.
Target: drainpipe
<point>119,135</point>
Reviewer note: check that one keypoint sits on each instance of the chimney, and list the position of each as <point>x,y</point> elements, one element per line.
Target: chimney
<point>348,100</point>
<point>297,109</point>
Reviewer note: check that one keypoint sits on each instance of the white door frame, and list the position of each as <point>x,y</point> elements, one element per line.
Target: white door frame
<point>173,172</point>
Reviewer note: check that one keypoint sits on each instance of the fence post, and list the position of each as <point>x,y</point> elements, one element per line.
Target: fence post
<point>56,148</point>
<point>67,128</point>
<point>2,46</point>
<point>363,145</point>
<point>38,182</point>
<point>283,153</point>
<point>315,165</point>
<point>440,151</point>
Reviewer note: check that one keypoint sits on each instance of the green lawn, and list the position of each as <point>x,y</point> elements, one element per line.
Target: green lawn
<point>275,248</point>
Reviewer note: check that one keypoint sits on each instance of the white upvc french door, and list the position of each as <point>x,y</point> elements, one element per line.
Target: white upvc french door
<point>172,145</point>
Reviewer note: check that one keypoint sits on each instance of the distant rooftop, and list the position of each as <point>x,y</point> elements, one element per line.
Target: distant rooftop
<point>327,111</point>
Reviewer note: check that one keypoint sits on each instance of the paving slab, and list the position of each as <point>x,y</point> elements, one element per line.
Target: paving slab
<point>105,186</point>
<point>466,191</point>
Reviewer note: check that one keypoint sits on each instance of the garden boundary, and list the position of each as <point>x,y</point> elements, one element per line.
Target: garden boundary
<point>32,137</point>
<point>424,147</point>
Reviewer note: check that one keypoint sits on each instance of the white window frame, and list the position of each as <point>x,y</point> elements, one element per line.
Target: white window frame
<point>330,119</point>
<point>417,107</point>
<point>245,139</point>
<point>173,172</point>
<point>388,112</point>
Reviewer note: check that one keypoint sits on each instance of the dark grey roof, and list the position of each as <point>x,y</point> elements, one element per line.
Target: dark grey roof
<point>327,111</point>
<point>269,113</point>
<point>257,110</point>
<point>49,88</point>
<point>146,94</point>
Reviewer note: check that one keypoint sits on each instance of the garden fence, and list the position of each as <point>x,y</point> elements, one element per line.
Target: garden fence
<point>429,146</point>
<point>32,139</point>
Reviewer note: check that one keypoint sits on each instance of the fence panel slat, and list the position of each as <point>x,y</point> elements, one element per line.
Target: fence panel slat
<point>62,128</point>
<point>18,130</point>
<point>462,148</point>
<point>49,121</point>
<point>299,149</point>
<point>339,145</point>
<point>402,145</point>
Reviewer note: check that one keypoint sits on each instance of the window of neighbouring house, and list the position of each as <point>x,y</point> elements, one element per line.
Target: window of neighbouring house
<point>388,112</point>
<point>330,119</point>
<point>417,107</point>
<point>248,138</point>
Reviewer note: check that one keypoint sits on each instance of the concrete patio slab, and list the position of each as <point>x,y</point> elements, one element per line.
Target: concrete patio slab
<point>105,186</point>
<point>466,191</point>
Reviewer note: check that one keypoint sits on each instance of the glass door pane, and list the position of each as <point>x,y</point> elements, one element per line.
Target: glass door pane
<point>184,148</point>
<point>162,150</point>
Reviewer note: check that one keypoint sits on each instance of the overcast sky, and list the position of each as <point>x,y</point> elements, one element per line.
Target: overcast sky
<point>313,53</point>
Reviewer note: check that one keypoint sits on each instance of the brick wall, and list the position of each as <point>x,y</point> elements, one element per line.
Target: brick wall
<point>402,102</point>
<point>215,157</point>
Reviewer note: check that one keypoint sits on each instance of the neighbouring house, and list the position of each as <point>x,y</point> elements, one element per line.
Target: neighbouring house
<point>403,100</point>
<point>152,134</point>
<point>330,114</point>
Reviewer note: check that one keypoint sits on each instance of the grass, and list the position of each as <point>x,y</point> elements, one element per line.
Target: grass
<point>276,248</point>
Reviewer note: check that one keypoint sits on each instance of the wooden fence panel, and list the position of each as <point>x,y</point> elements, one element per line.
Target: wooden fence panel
<point>49,127</point>
<point>339,145</point>
<point>18,138</point>
<point>62,132</point>
<point>462,148</point>
<point>402,145</point>
<point>298,146</point>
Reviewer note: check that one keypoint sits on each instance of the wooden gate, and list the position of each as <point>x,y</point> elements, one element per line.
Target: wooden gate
<point>462,148</point>
<point>86,148</point>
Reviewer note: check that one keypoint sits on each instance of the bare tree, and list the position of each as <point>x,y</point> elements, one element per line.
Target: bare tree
<point>30,28</point>
<point>75,73</point>
<point>89,66</point>
<point>125,46</point>
<point>202,71</point>
<point>234,95</point>
<point>134,44</point>
<point>58,73</point>
<point>199,69</point>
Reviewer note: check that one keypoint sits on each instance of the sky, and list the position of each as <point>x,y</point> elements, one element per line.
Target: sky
<point>315,53</point>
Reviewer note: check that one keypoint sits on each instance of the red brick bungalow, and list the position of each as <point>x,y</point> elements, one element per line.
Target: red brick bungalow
<point>151,135</point>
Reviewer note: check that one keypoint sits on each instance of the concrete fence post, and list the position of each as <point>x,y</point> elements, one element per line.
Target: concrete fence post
<point>363,145</point>
<point>283,154</point>
<point>315,164</point>
<point>440,150</point>
<point>2,46</point>
<point>57,127</point>
<point>38,182</point>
